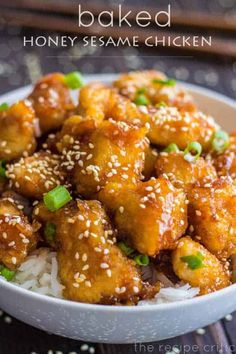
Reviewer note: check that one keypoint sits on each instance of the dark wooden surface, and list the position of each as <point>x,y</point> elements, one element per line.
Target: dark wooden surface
<point>20,66</point>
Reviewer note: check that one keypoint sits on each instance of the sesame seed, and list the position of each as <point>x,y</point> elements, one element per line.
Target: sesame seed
<point>84,257</point>
<point>201,331</point>
<point>109,273</point>
<point>121,209</point>
<point>228,317</point>
<point>84,347</point>
<point>104,265</point>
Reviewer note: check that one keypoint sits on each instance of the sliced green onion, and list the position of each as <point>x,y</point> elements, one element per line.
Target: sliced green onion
<point>142,260</point>
<point>125,248</point>
<point>7,273</point>
<point>166,82</point>
<point>193,261</point>
<point>161,104</point>
<point>50,232</point>
<point>141,100</point>
<point>172,148</point>
<point>220,141</point>
<point>142,90</point>
<point>56,198</point>
<point>2,168</point>
<point>4,106</point>
<point>74,80</point>
<point>193,152</point>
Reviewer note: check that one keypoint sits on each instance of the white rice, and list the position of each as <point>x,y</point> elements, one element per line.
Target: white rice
<point>172,294</point>
<point>39,273</point>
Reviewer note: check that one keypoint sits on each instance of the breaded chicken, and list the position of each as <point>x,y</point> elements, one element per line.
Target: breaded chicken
<point>35,175</point>
<point>182,173</point>
<point>225,162</point>
<point>195,265</point>
<point>52,101</point>
<point>212,216</point>
<point>100,102</point>
<point>169,125</point>
<point>17,135</point>
<point>152,215</point>
<point>94,156</point>
<point>17,237</point>
<point>94,101</point>
<point>92,268</point>
<point>156,87</point>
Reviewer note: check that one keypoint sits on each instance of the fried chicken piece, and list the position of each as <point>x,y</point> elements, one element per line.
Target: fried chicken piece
<point>195,265</point>
<point>92,268</point>
<point>151,215</point>
<point>94,156</point>
<point>169,125</point>
<point>212,216</point>
<point>17,136</point>
<point>94,101</point>
<point>154,85</point>
<point>100,102</point>
<point>182,173</point>
<point>52,101</point>
<point>17,237</point>
<point>225,163</point>
<point>35,175</point>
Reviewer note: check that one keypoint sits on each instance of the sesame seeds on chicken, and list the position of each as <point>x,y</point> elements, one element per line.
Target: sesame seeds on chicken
<point>129,176</point>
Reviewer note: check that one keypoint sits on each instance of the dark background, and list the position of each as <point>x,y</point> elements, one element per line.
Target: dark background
<point>19,67</point>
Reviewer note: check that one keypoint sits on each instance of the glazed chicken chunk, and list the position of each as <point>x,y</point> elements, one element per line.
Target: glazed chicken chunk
<point>225,162</point>
<point>35,175</point>
<point>94,156</point>
<point>151,215</point>
<point>169,125</point>
<point>195,265</point>
<point>17,237</point>
<point>212,216</point>
<point>182,173</point>
<point>156,87</point>
<point>51,101</point>
<point>100,102</point>
<point>17,134</point>
<point>92,268</point>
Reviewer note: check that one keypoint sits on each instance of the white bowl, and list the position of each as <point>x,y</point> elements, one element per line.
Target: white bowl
<point>118,324</point>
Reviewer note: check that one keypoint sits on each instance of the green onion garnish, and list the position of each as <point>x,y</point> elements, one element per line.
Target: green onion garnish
<point>125,248</point>
<point>194,261</point>
<point>74,80</point>
<point>167,82</point>
<point>193,152</point>
<point>172,148</point>
<point>56,198</point>
<point>50,232</point>
<point>4,106</point>
<point>142,260</point>
<point>161,104</point>
<point>220,141</point>
<point>7,273</point>
<point>2,168</point>
<point>141,90</point>
<point>141,100</point>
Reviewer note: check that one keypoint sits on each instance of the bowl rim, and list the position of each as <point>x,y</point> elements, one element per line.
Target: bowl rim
<point>111,308</point>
